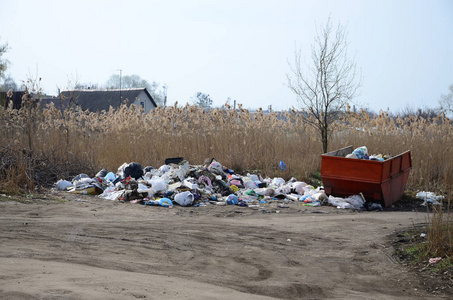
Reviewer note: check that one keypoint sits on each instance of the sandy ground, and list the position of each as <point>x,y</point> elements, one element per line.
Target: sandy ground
<point>87,248</point>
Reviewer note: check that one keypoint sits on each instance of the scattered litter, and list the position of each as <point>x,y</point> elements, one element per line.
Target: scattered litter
<point>423,235</point>
<point>63,185</point>
<point>352,202</point>
<point>111,193</point>
<point>81,200</point>
<point>435,260</point>
<point>372,206</point>
<point>165,202</point>
<point>429,197</point>
<point>86,190</point>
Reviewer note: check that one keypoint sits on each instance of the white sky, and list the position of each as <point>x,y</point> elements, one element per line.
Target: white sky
<point>237,49</point>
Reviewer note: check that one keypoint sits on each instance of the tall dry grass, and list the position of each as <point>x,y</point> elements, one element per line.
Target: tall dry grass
<point>50,144</point>
<point>439,231</point>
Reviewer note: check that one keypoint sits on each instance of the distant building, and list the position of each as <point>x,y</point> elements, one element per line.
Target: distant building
<point>98,100</point>
<point>92,100</point>
<point>16,98</point>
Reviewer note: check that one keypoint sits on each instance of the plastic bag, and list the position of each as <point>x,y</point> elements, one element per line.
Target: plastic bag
<point>110,177</point>
<point>174,173</point>
<point>361,152</point>
<point>184,198</point>
<point>62,185</point>
<point>232,199</point>
<point>278,182</point>
<point>282,165</point>
<point>264,191</point>
<point>429,197</point>
<point>164,169</point>
<point>191,183</point>
<point>253,177</point>
<point>134,170</point>
<point>215,167</point>
<point>111,193</point>
<point>101,173</point>
<point>79,177</point>
<point>165,202</point>
<point>284,189</point>
<point>298,186</point>
<point>352,202</point>
<point>249,183</point>
<point>158,184</point>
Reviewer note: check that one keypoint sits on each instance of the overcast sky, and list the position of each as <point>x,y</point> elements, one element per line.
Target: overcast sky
<point>236,49</point>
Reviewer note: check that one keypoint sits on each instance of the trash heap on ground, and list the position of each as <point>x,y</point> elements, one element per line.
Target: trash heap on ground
<point>177,182</point>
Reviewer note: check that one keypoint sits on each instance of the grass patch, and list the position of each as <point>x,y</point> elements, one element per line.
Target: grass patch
<point>314,179</point>
<point>429,249</point>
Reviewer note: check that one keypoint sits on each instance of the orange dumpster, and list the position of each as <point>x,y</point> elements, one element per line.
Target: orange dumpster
<point>378,181</point>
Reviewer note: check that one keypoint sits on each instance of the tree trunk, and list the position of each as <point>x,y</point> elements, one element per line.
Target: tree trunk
<point>325,140</point>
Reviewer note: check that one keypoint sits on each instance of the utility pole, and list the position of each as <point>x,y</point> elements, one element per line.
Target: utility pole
<point>121,98</point>
<point>164,87</point>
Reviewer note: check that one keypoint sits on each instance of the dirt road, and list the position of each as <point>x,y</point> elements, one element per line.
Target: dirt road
<point>86,248</point>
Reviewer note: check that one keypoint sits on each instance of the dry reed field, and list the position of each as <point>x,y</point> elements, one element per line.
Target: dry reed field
<point>40,145</point>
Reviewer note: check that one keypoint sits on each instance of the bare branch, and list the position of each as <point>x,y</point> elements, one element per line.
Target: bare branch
<point>327,85</point>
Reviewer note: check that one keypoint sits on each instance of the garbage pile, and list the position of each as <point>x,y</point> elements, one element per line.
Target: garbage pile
<point>362,153</point>
<point>178,183</point>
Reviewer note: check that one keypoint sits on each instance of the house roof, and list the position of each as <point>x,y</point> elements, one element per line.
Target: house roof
<point>59,104</point>
<point>98,100</point>
<point>16,98</point>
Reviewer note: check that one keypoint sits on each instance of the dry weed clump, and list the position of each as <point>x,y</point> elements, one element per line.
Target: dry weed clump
<point>440,231</point>
<point>60,144</point>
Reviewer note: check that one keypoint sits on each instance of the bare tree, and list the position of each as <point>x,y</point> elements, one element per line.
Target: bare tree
<point>3,62</point>
<point>325,87</point>
<point>446,101</point>
<point>9,84</point>
<point>202,99</point>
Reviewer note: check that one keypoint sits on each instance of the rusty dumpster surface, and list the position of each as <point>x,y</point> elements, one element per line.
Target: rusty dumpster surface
<point>378,181</point>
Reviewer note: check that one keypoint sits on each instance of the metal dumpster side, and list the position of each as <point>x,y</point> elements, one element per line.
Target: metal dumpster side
<point>378,181</point>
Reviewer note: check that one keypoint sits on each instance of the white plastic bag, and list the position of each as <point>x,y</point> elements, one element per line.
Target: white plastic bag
<point>429,197</point>
<point>298,186</point>
<point>249,183</point>
<point>62,185</point>
<point>278,182</point>
<point>184,198</point>
<point>111,193</point>
<point>265,191</point>
<point>215,167</point>
<point>253,177</point>
<point>352,202</point>
<point>158,184</point>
